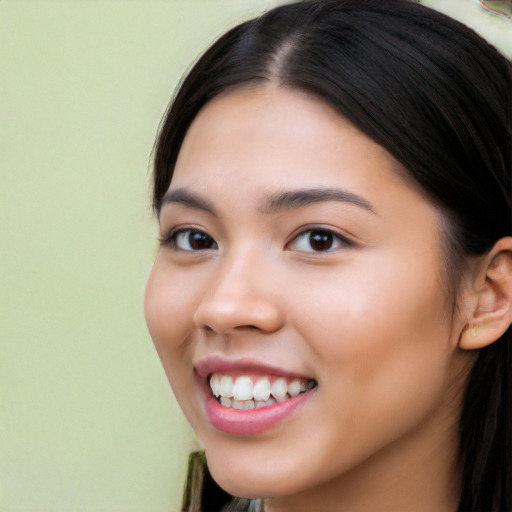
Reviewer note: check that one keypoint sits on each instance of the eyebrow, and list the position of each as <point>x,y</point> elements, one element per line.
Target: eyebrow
<point>187,198</point>
<point>275,203</point>
<point>299,198</point>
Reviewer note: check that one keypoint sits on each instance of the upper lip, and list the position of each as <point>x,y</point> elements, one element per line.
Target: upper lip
<point>213,364</point>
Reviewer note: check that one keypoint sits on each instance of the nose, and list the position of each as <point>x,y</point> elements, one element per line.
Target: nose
<point>240,296</point>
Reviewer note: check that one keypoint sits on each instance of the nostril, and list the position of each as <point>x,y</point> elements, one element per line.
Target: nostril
<point>223,313</point>
<point>237,328</point>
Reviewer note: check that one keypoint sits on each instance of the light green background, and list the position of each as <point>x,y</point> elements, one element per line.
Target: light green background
<point>88,422</point>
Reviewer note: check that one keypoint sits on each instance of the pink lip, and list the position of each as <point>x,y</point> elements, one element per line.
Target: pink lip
<point>212,364</point>
<point>252,421</point>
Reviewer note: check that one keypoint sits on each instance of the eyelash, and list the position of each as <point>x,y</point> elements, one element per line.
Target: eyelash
<point>172,239</point>
<point>340,241</point>
<point>328,235</point>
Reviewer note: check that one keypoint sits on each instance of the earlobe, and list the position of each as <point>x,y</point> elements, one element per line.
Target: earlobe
<point>491,314</point>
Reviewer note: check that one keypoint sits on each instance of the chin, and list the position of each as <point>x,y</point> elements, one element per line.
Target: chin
<point>245,478</point>
<point>243,487</point>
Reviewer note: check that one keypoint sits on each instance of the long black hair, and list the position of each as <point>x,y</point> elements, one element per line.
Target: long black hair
<point>438,98</point>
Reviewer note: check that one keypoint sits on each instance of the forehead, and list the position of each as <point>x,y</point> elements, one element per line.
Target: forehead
<point>255,141</point>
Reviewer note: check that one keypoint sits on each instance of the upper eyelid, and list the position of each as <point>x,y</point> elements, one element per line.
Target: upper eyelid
<point>167,233</point>
<point>319,227</point>
<point>170,234</point>
<point>338,242</point>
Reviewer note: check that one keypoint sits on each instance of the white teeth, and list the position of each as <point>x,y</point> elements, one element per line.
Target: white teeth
<point>243,389</point>
<point>262,389</point>
<point>241,393</point>
<point>249,404</point>
<point>226,402</point>
<point>226,386</point>
<point>215,384</point>
<point>238,404</point>
<point>294,387</point>
<point>279,389</point>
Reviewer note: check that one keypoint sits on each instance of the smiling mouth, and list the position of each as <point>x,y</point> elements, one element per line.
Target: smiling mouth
<point>252,392</point>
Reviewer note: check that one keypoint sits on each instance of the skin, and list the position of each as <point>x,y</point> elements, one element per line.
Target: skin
<point>367,318</point>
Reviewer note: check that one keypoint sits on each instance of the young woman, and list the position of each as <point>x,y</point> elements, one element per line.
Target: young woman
<point>332,298</point>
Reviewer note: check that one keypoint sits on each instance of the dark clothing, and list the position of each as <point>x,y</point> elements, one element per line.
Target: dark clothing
<point>202,494</point>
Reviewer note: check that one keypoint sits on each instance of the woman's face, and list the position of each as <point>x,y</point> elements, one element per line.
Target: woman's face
<point>295,256</point>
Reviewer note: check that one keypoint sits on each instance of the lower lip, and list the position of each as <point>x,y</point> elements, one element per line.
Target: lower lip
<point>251,421</point>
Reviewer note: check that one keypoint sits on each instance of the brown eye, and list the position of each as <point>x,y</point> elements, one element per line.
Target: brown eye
<point>193,240</point>
<point>318,240</point>
<point>321,240</point>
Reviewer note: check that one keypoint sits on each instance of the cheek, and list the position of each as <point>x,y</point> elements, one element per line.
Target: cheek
<point>381,332</point>
<point>376,302</point>
<point>169,302</point>
<point>168,307</point>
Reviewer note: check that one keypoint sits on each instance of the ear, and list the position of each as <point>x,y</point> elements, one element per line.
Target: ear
<point>489,302</point>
